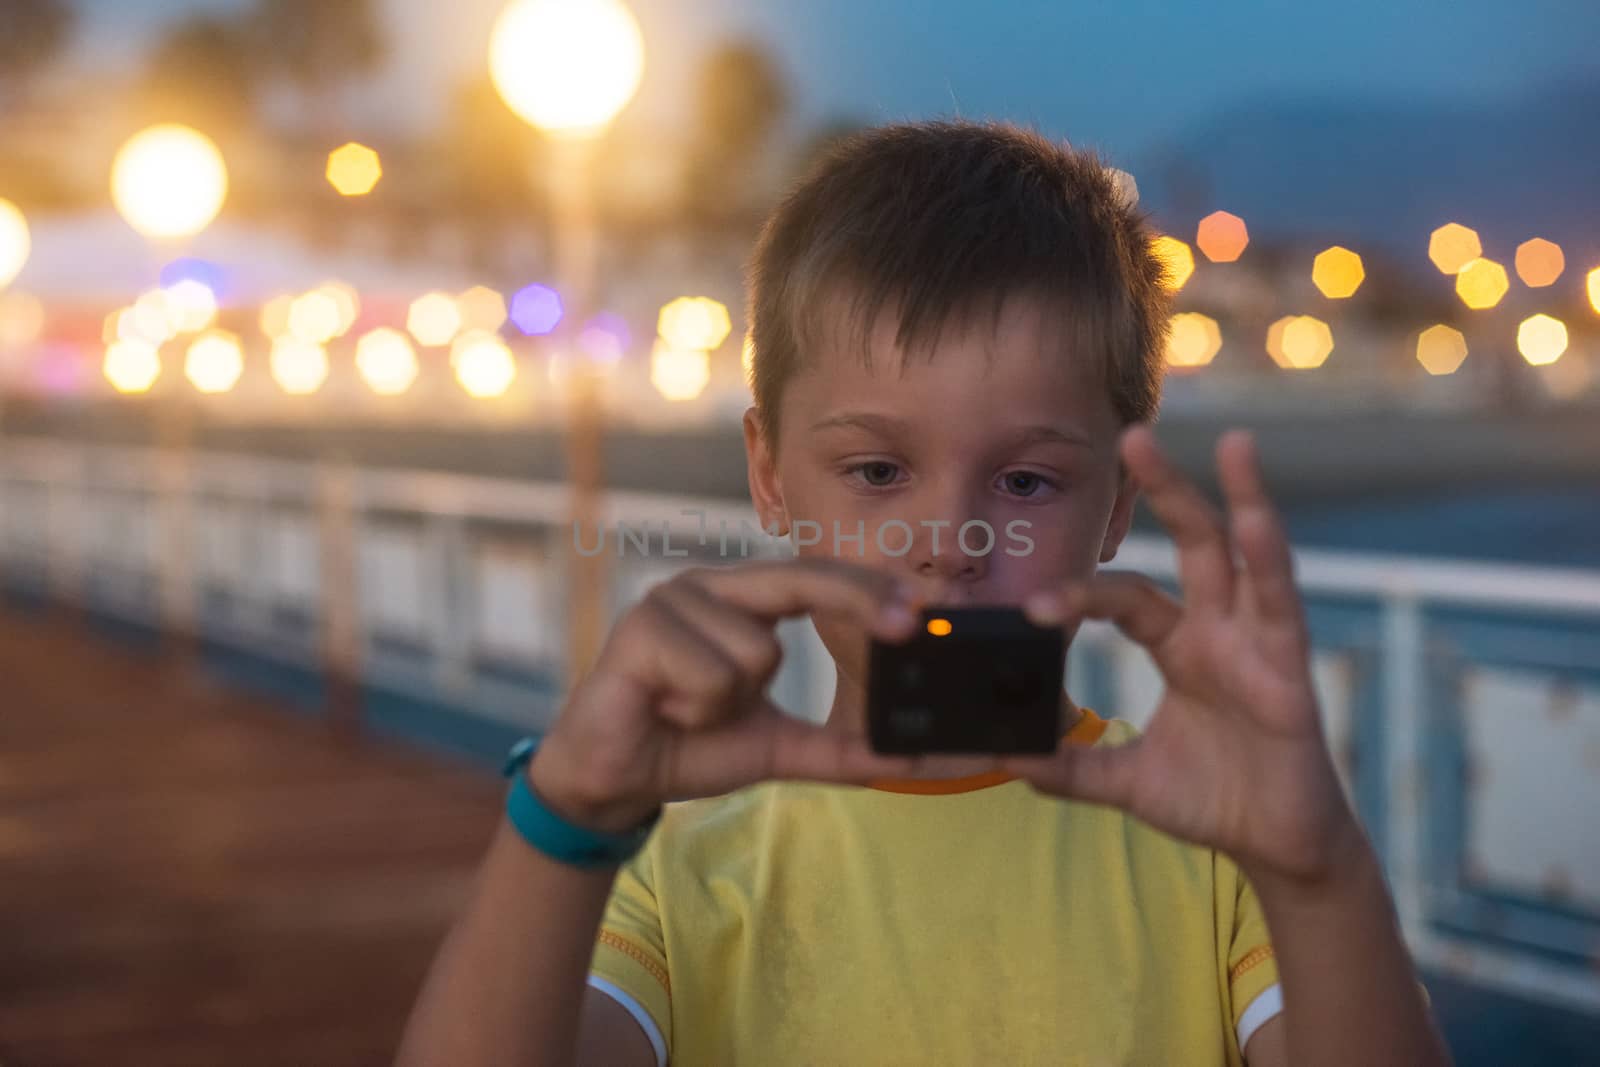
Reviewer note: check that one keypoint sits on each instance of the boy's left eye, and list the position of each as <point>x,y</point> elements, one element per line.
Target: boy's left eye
<point>1024,483</point>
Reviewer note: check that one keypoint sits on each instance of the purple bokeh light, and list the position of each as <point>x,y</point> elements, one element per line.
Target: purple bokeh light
<point>536,309</point>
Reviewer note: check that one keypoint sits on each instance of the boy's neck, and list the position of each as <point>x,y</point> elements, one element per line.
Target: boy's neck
<point>849,713</point>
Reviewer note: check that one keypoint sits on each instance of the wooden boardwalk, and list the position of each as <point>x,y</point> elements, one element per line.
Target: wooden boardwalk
<point>192,877</point>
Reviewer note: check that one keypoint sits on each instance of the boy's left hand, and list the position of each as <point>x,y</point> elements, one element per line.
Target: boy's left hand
<point>1234,758</point>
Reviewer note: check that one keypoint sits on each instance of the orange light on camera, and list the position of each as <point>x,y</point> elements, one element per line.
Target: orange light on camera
<point>939,627</point>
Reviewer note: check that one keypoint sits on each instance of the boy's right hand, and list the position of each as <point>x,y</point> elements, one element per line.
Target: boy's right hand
<point>675,706</point>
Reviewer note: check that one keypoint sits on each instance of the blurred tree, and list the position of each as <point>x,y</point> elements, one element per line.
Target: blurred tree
<point>319,45</point>
<point>204,71</point>
<point>33,33</point>
<point>740,100</point>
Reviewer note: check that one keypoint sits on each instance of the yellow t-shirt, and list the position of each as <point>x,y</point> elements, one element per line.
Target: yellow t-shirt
<point>964,921</point>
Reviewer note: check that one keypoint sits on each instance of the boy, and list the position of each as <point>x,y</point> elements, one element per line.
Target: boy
<point>953,323</point>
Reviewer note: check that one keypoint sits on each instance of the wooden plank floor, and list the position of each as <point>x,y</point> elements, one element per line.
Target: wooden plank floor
<point>193,877</point>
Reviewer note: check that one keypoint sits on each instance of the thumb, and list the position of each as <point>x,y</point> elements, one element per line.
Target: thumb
<point>1079,772</point>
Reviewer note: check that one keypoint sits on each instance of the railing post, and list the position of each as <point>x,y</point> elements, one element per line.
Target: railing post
<point>340,608</point>
<point>1403,719</point>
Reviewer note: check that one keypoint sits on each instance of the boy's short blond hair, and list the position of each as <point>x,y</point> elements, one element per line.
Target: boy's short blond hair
<point>948,219</point>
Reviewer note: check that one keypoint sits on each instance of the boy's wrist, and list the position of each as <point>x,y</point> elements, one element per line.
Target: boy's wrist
<point>1344,858</point>
<point>549,774</point>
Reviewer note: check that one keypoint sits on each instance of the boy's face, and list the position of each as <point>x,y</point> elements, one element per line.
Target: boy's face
<point>1001,431</point>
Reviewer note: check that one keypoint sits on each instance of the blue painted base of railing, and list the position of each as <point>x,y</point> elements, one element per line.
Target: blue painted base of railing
<point>436,725</point>
<point>1488,1028</point>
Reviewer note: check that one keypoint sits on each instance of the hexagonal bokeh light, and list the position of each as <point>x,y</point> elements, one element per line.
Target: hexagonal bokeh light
<point>1337,272</point>
<point>1441,349</point>
<point>1178,258</point>
<point>1481,284</point>
<point>1541,339</point>
<point>536,310</point>
<point>1452,246</point>
<point>1194,341</point>
<point>1539,262</point>
<point>354,169</point>
<point>1222,236</point>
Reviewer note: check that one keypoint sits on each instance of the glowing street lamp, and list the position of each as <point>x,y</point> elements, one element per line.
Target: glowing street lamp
<point>169,181</point>
<point>568,67</point>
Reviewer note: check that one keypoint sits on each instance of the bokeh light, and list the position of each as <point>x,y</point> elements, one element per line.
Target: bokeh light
<point>1541,339</point>
<point>679,373</point>
<point>275,316</point>
<point>1337,272</point>
<point>190,269</point>
<point>433,319</point>
<point>604,339</point>
<point>214,362</point>
<point>15,242</point>
<point>347,300</point>
<point>1222,237</point>
<point>21,319</point>
<point>152,318</point>
<point>1452,246</point>
<point>1482,283</point>
<point>536,309</point>
<point>132,366</point>
<point>1441,349</point>
<point>191,305</point>
<point>1307,341</point>
<point>169,181</point>
<point>481,308</point>
<point>353,169</point>
<point>386,361</point>
<point>566,67</point>
<point>314,317</point>
<point>1194,341</point>
<point>1178,258</point>
<point>747,354</point>
<point>1539,262</point>
<point>483,364</point>
<point>694,322</point>
<point>298,366</point>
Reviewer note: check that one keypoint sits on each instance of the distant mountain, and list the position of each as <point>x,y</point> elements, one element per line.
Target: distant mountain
<point>1387,174</point>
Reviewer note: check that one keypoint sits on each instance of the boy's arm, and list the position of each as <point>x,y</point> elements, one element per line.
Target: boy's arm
<point>1235,759</point>
<point>508,986</point>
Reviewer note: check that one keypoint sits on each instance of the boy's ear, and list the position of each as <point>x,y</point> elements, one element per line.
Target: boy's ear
<point>1121,514</point>
<point>765,492</point>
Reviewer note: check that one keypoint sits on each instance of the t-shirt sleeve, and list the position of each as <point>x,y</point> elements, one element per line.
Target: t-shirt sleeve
<point>630,959</point>
<point>1253,992</point>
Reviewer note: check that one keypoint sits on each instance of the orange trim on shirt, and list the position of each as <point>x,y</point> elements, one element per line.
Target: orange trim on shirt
<point>1086,731</point>
<point>638,955</point>
<point>1256,956</point>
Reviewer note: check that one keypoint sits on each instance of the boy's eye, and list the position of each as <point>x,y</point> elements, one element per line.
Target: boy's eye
<point>876,472</point>
<point>1024,483</point>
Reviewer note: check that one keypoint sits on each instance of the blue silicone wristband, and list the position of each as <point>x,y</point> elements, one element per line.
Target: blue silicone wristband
<point>553,835</point>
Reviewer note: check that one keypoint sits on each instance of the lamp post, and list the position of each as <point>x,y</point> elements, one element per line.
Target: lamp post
<point>567,67</point>
<point>169,182</point>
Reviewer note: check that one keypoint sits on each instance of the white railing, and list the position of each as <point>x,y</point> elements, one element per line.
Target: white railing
<point>1462,700</point>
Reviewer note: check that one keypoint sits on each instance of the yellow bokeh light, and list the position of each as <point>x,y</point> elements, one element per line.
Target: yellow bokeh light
<point>1275,340</point>
<point>1307,342</point>
<point>566,67</point>
<point>298,366</point>
<point>353,169</point>
<point>679,373</point>
<point>1568,378</point>
<point>314,317</point>
<point>15,242</point>
<point>21,319</point>
<point>347,300</point>
<point>169,181</point>
<point>1452,246</point>
<point>433,319</point>
<point>481,308</point>
<point>152,318</point>
<point>1178,258</point>
<point>132,366</point>
<point>1194,341</point>
<point>191,305</point>
<point>747,353</point>
<point>1539,262</point>
<point>1482,283</point>
<point>386,361</point>
<point>1441,349</point>
<point>1337,272</point>
<point>1592,282</point>
<point>1222,237</point>
<point>214,362</point>
<point>483,364</point>
<point>1541,339</point>
<point>275,316</point>
<point>694,322</point>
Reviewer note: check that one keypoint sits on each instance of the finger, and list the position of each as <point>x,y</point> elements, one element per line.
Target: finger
<point>1205,564</point>
<point>785,588</point>
<point>749,643</point>
<point>666,653</point>
<point>1096,775</point>
<point>770,744</point>
<point>1133,603</point>
<point>1257,530</point>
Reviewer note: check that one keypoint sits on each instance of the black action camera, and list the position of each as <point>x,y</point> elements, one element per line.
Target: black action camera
<point>971,680</point>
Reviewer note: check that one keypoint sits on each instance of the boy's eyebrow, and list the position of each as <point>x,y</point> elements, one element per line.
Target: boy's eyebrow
<point>889,425</point>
